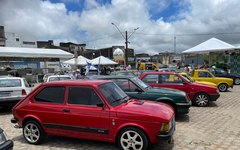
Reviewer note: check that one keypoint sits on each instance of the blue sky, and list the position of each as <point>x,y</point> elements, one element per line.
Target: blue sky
<point>165,9</point>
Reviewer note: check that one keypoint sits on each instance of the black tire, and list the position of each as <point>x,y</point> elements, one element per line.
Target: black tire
<point>33,133</point>
<point>237,81</point>
<point>222,87</point>
<point>140,142</point>
<point>201,100</point>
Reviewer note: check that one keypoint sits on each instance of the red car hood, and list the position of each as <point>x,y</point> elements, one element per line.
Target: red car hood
<point>145,111</point>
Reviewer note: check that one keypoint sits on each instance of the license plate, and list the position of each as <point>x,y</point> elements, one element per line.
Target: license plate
<point>2,94</point>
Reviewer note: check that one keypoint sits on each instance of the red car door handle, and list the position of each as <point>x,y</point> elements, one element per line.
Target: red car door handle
<point>66,110</point>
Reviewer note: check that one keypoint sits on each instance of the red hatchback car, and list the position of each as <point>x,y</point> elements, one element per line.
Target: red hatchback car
<point>95,110</point>
<point>200,94</point>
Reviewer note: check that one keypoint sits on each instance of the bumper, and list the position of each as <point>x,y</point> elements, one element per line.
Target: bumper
<point>183,108</point>
<point>8,145</point>
<point>9,100</point>
<point>214,97</point>
<point>166,136</point>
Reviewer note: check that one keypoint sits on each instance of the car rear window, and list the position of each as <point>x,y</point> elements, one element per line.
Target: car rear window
<point>59,78</point>
<point>10,83</point>
<point>51,95</point>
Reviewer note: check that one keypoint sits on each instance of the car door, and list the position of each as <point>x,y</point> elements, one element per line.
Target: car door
<point>82,117</point>
<point>130,88</point>
<point>172,81</point>
<point>47,105</point>
<point>206,76</point>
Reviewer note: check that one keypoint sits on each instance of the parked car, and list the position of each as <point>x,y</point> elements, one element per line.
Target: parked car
<point>135,88</point>
<point>5,143</point>
<point>95,110</point>
<point>184,74</point>
<point>45,77</point>
<point>58,78</point>
<point>12,90</point>
<point>218,72</point>
<point>204,75</point>
<point>123,73</point>
<point>200,94</point>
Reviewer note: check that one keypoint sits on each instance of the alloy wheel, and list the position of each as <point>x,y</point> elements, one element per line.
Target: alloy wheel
<point>131,140</point>
<point>202,100</point>
<point>222,87</point>
<point>31,133</point>
<point>237,81</point>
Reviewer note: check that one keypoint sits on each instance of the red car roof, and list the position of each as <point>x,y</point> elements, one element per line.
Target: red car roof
<point>77,82</point>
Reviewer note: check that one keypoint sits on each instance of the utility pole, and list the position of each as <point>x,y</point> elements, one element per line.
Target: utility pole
<point>126,38</point>
<point>174,44</point>
<point>126,50</point>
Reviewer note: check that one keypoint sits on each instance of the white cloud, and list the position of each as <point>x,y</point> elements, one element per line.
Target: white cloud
<point>44,20</point>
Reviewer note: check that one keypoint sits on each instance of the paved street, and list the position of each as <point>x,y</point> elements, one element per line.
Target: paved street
<point>216,127</point>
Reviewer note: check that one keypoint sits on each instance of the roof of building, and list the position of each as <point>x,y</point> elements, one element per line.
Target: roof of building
<point>33,52</point>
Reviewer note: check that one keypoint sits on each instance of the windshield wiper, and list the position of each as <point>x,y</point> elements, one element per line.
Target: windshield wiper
<point>119,99</point>
<point>124,98</point>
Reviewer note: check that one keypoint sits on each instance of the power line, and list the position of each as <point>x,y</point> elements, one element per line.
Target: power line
<point>170,34</point>
<point>187,34</point>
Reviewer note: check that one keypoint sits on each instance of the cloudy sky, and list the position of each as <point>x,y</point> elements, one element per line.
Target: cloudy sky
<point>89,22</point>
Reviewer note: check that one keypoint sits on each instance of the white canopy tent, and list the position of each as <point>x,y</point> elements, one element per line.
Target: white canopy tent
<point>80,61</point>
<point>101,60</point>
<point>211,45</point>
<point>34,53</point>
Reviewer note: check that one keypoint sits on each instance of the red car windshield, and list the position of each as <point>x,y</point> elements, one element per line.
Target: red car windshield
<point>113,94</point>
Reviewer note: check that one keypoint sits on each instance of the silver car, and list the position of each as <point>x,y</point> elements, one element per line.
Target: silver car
<point>13,89</point>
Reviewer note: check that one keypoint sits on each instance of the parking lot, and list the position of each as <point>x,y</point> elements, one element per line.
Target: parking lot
<point>215,127</point>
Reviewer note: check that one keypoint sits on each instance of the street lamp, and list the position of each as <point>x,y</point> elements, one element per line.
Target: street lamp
<point>126,38</point>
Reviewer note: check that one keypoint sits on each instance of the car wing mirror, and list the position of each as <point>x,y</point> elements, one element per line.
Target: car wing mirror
<point>101,105</point>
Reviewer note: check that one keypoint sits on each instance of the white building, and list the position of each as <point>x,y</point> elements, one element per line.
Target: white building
<point>16,40</point>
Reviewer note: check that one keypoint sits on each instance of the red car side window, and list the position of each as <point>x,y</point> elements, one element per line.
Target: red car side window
<point>83,96</point>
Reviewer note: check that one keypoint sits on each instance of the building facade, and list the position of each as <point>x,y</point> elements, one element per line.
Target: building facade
<point>76,49</point>
<point>2,36</point>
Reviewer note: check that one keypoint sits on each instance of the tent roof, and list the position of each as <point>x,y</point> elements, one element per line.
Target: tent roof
<point>103,61</point>
<point>33,52</point>
<point>80,61</point>
<point>211,45</point>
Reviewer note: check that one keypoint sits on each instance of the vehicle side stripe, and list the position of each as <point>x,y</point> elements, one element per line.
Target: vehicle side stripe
<point>79,129</point>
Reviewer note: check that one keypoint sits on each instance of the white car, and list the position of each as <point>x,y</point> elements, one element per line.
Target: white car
<point>12,90</point>
<point>45,77</point>
<point>58,77</point>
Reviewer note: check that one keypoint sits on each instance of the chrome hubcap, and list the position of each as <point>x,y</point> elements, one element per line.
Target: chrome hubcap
<point>222,87</point>
<point>237,81</point>
<point>201,100</point>
<point>31,133</point>
<point>131,140</point>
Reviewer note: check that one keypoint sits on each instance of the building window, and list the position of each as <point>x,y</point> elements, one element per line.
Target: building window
<point>28,43</point>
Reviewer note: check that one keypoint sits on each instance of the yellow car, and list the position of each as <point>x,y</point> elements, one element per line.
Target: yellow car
<point>184,74</point>
<point>204,75</point>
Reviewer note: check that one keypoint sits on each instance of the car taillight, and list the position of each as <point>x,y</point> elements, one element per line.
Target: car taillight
<point>24,92</point>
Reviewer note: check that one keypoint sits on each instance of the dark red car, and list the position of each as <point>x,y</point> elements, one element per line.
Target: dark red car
<point>95,110</point>
<point>200,94</point>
